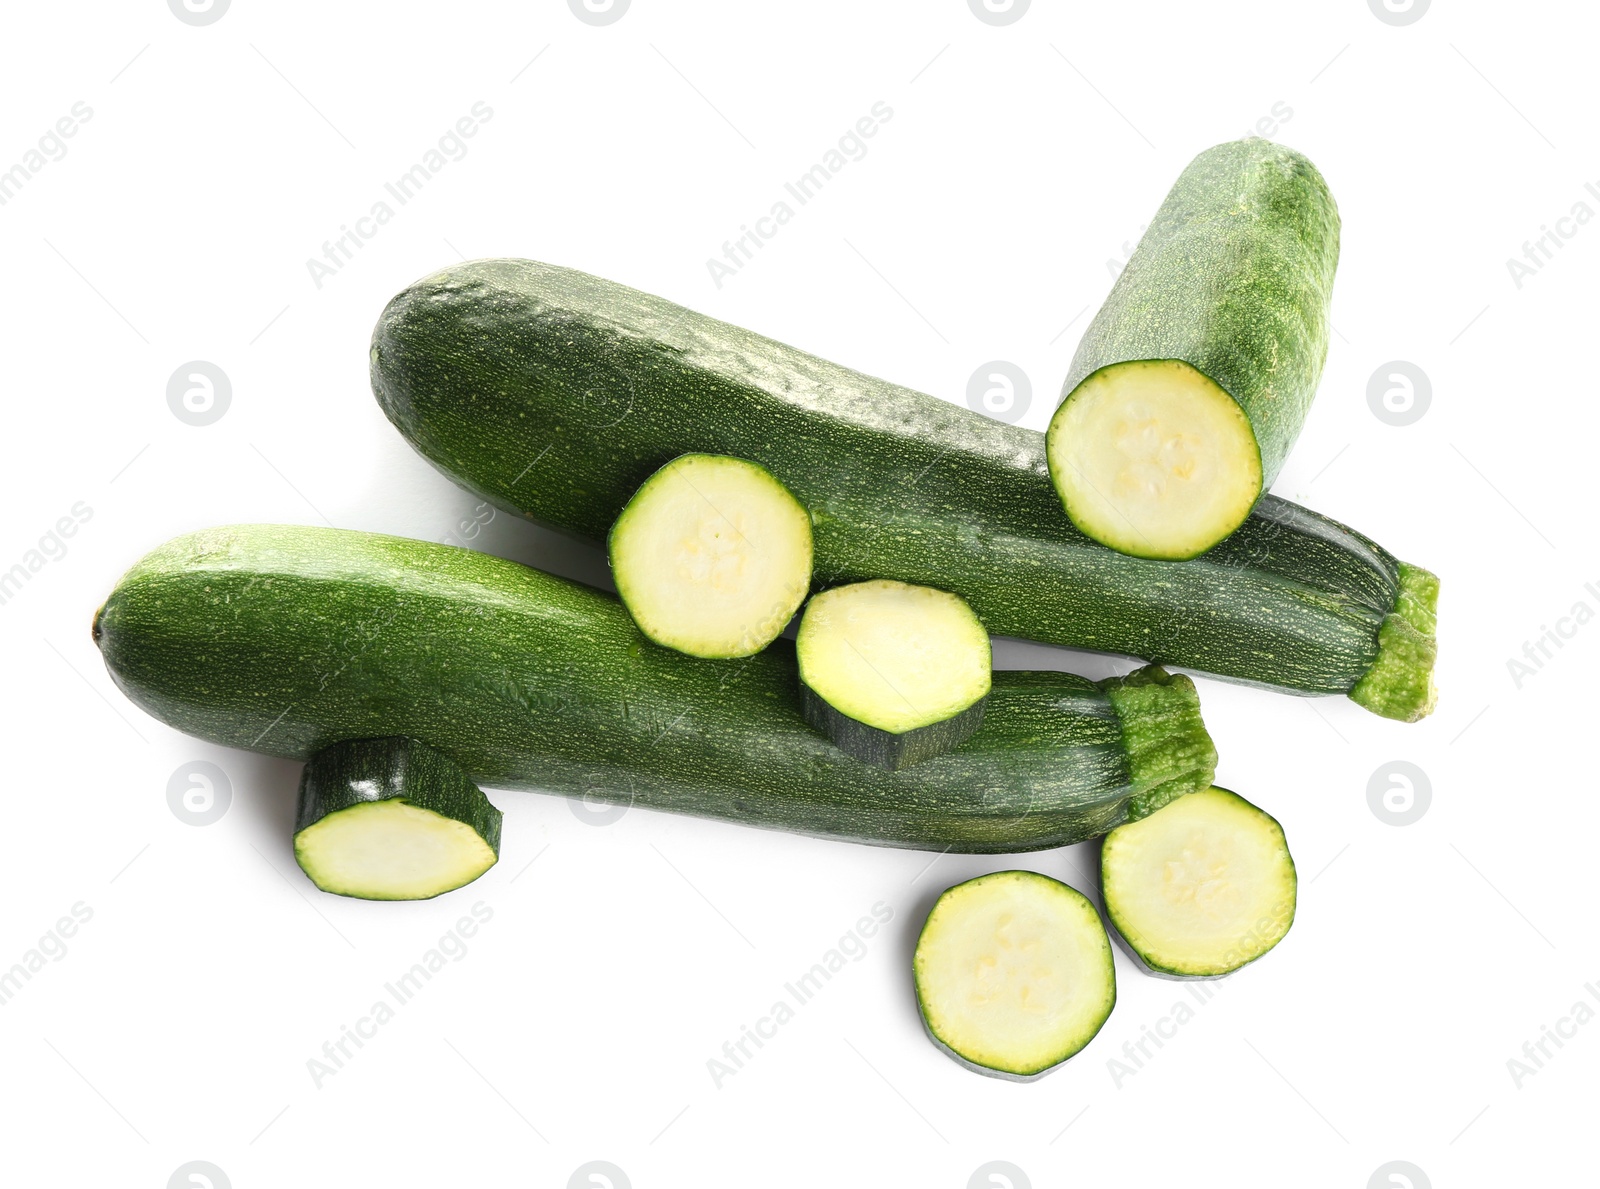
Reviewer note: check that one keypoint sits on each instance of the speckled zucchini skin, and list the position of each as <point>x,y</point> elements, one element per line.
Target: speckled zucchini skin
<point>1233,276</point>
<point>285,640</point>
<point>555,394</point>
<point>355,771</point>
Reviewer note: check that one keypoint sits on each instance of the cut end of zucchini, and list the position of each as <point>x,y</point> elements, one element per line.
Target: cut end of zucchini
<point>712,556</point>
<point>1400,683</point>
<point>1014,973</point>
<point>1155,459</point>
<point>1201,888</point>
<point>392,819</point>
<point>893,673</point>
<point>391,850</point>
<point>1170,752</point>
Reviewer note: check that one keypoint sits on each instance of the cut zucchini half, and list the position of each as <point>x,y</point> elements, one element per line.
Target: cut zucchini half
<point>1200,887</point>
<point>712,556</point>
<point>1154,458</point>
<point>893,674</point>
<point>392,819</point>
<point>1013,974</point>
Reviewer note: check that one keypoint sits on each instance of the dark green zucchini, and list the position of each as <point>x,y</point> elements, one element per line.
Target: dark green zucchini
<point>392,819</point>
<point>556,394</point>
<point>1193,380</point>
<point>286,640</point>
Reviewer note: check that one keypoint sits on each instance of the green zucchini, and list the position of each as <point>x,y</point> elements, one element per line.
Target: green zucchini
<point>285,640</point>
<point>894,674</point>
<point>1201,888</point>
<point>1193,380</point>
<point>392,819</point>
<point>1013,974</point>
<point>489,366</point>
<point>712,556</point>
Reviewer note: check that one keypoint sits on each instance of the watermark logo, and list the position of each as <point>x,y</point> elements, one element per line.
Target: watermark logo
<point>1000,389</point>
<point>199,12</point>
<point>199,1174</point>
<point>1399,12</point>
<point>1399,1174</point>
<point>600,807</point>
<point>1399,393</point>
<point>598,1174</point>
<point>1399,793</point>
<point>199,393</point>
<point>599,12</point>
<point>998,1174</point>
<point>998,12</point>
<point>199,793</point>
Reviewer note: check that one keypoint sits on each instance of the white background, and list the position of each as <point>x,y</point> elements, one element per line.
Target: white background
<point>1019,161</point>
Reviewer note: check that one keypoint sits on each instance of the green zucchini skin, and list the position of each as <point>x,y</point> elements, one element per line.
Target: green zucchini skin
<point>554,394</point>
<point>356,771</point>
<point>288,639</point>
<point>1234,277</point>
<point>887,749</point>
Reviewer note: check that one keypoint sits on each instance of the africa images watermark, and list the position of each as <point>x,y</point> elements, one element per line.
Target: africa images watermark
<point>852,146</point>
<point>1537,253</point>
<point>52,546</point>
<point>1136,1054</point>
<point>1538,1052</point>
<point>49,148</point>
<point>352,237</point>
<point>1542,649</point>
<point>452,947</point>
<point>51,947</point>
<point>852,947</point>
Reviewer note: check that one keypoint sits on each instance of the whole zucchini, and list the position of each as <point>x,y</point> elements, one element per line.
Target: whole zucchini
<point>555,394</point>
<point>286,640</point>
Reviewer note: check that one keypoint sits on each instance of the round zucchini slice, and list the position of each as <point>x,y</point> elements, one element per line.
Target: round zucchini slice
<point>1153,458</point>
<point>1013,973</point>
<point>712,556</point>
<point>893,674</point>
<point>392,819</point>
<point>1200,887</point>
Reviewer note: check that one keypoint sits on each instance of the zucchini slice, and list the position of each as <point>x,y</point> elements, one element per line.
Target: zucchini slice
<point>893,674</point>
<point>1200,887</point>
<point>1013,973</point>
<point>1152,458</point>
<point>712,556</point>
<point>392,819</point>
<point>1193,380</point>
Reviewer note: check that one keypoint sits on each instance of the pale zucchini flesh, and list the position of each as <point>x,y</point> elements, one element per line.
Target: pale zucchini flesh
<point>1013,973</point>
<point>891,672</point>
<point>392,819</point>
<point>712,556</point>
<point>1153,458</point>
<point>1201,887</point>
